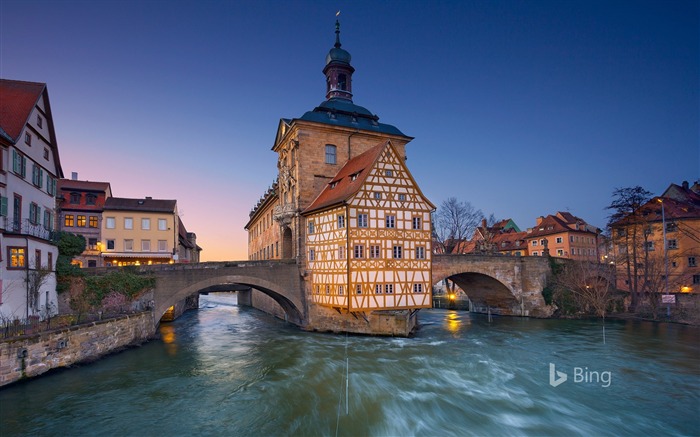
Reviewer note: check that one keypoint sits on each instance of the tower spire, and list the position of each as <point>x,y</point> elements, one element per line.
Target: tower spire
<point>337,33</point>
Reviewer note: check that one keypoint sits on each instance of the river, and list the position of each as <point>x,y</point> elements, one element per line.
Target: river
<point>234,371</point>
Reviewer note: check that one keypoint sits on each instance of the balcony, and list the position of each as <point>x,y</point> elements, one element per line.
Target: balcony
<point>25,227</point>
<point>283,214</point>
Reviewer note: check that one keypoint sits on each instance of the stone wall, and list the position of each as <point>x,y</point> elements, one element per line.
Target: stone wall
<point>30,356</point>
<point>399,323</point>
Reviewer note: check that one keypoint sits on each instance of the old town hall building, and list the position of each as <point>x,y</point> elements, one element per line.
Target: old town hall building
<point>346,207</point>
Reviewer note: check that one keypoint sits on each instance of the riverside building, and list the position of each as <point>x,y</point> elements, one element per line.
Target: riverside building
<point>346,208</point>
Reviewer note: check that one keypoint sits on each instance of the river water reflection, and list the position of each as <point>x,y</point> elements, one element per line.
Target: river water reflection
<point>227,370</point>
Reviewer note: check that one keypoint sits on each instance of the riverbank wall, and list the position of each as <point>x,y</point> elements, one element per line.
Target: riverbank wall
<point>32,355</point>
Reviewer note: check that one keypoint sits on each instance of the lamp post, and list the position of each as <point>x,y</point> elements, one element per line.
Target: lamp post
<point>663,224</point>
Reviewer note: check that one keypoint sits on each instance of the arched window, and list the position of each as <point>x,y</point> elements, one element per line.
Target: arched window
<point>342,82</point>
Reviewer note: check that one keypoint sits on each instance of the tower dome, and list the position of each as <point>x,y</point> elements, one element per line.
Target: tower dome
<point>338,70</point>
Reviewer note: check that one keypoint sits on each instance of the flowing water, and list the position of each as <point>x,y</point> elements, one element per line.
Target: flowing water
<point>233,371</point>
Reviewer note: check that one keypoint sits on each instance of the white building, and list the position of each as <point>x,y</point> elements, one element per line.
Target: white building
<point>29,170</point>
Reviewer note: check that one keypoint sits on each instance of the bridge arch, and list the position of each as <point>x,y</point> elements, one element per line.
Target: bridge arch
<point>279,280</point>
<point>509,285</point>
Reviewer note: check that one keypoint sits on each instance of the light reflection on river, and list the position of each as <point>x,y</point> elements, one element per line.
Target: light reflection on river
<point>225,370</point>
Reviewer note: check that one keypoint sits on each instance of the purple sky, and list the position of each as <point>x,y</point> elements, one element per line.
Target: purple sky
<point>522,108</point>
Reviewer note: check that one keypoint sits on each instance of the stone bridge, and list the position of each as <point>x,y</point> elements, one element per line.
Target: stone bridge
<point>508,285</point>
<point>280,280</point>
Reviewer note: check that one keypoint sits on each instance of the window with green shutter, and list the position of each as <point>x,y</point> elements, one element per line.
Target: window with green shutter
<point>3,206</point>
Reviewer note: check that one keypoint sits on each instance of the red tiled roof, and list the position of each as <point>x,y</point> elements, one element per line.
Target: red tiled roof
<point>17,100</point>
<point>70,184</point>
<point>342,186</point>
<point>182,231</point>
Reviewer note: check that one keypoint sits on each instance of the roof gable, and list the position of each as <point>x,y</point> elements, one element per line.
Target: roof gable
<point>17,101</point>
<point>348,180</point>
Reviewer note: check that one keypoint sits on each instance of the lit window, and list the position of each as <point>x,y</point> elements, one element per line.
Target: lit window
<point>390,221</point>
<point>330,154</point>
<point>92,221</point>
<point>17,257</point>
<point>68,221</point>
<point>362,221</point>
<point>560,252</point>
<point>81,221</point>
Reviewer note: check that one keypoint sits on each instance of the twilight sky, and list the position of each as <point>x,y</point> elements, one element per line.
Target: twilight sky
<point>522,108</point>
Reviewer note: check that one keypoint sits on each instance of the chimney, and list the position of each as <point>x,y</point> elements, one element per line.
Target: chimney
<point>74,175</point>
<point>483,223</point>
<point>149,198</point>
<point>539,220</point>
<point>685,185</point>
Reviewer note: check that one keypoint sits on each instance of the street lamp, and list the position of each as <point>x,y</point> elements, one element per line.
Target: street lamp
<point>663,224</point>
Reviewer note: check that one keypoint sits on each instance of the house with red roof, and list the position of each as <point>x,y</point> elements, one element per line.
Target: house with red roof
<point>563,235</point>
<point>30,169</point>
<point>667,249</point>
<point>80,206</point>
<point>368,237</point>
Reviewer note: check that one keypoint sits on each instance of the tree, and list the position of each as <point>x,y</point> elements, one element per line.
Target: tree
<point>455,221</point>
<point>69,246</point>
<point>590,286</point>
<point>628,232</point>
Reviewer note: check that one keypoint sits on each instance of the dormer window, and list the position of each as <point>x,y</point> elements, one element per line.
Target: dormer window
<point>334,184</point>
<point>75,198</point>
<point>354,176</point>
